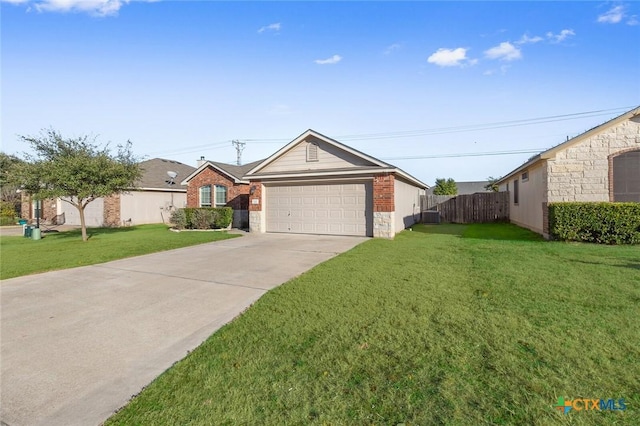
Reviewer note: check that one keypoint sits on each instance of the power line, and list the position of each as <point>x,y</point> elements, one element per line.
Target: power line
<point>467,154</point>
<point>461,128</point>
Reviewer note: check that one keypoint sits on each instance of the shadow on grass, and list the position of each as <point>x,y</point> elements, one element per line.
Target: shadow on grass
<point>91,232</point>
<point>482,231</point>
<point>442,229</point>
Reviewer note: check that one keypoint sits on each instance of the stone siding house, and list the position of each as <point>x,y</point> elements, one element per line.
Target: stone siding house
<point>602,164</point>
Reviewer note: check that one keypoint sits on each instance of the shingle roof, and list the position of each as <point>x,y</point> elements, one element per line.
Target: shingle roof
<point>236,171</point>
<point>154,174</point>
<point>467,187</point>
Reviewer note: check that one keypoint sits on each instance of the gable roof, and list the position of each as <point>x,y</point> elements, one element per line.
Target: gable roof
<point>551,152</point>
<point>155,177</point>
<point>377,165</point>
<point>468,187</point>
<point>233,171</point>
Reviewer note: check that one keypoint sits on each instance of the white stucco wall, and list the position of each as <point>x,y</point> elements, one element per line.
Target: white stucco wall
<point>528,213</point>
<point>407,204</point>
<point>150,206</point>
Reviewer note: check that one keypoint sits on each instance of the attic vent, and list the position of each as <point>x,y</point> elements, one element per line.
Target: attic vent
<point>312,152</point>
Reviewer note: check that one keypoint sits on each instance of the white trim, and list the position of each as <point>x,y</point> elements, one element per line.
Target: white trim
<point>318,181</point>
<point>323,173</point>
<point>160,189</point>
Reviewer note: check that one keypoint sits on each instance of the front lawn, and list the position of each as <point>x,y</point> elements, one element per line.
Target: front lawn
<point>61,250</point>
<point>448,324</point>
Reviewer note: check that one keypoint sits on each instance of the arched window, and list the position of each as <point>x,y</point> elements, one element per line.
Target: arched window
<point>624,175</point>
<point>205,196</point>
<point>221,196</point>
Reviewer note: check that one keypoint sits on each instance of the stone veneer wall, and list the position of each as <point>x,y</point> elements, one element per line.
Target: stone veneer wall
<point>581,172</point>
<point>384,206</point>
<point>256,213</point>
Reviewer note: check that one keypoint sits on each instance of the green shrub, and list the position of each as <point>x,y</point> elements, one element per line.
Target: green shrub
<point>179,218</point>
<point>5,221</point>
<point>603,223</point>
<point>202,219</point>
<point>207,217</point>
<point>224,217</point>
<point>7,209</point>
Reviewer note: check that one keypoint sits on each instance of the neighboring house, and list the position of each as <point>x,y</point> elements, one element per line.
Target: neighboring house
<point>465,188</point>
<point>602,164</point>
<point>215,184</point>
<point>318,185</point>
<point>313,185</point>
<point>151,201</point>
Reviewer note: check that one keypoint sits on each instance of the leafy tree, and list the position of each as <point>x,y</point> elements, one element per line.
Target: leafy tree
<point>76,169</point>
<point>8,194</point>
<point>492,185</point>
<point>445,187</point>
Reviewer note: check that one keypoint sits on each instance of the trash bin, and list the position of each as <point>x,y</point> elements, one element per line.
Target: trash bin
<point>35,233</point>
<point>27,230</point>
<point>22,222</point>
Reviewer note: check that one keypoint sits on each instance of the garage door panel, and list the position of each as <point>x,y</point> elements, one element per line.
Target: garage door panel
<point>319,209</point>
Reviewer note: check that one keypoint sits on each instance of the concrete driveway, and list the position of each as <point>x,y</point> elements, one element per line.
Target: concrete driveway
<point>77,344</point>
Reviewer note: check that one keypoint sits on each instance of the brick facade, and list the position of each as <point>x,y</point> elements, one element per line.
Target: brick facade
<point>49,208</point>
<point>257,195</point>
<point>383,193</point>
<point>111,208</point>
<point>237,193</point>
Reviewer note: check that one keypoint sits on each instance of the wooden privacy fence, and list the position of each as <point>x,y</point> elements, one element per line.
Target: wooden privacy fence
<point>430,201</point>
<point>475,208</point>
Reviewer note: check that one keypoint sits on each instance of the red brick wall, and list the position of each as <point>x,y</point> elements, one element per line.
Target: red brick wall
<point>237,194</point>
<point>257,193</point>
<point>49,208</point>
<point>111,210</point>
<point>383,193</point>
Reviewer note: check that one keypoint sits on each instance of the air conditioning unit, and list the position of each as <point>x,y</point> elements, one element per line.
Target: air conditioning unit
<point>431,216</point>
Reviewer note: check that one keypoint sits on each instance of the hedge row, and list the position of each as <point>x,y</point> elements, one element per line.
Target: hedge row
<point>603,223</point>
<point>202,218</point>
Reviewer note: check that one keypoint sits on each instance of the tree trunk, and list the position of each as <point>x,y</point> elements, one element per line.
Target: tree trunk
<point>83,225</point>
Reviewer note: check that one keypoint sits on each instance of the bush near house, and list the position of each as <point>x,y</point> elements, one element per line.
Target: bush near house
<point>202,218</point>
<point>602,223</point>
<point>7,213</point>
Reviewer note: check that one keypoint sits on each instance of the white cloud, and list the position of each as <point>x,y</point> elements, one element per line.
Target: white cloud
<point>271,27</point>
<point>612,16</point>
<point>392,48</point>
<point>633,20</point>
<point>92,7</point>
<point>451,58</point>
<point>329,61</point>
<point>505,51</point>
<point>525,39</point>
<point>557,38</point>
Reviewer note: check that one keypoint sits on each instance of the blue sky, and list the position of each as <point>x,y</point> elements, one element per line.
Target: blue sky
<point>402,81</point>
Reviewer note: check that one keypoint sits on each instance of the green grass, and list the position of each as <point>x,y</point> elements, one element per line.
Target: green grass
<point>62,250</point>
<point>448,324</point>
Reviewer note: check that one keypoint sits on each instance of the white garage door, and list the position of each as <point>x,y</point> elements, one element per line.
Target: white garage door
<point>336,209</point>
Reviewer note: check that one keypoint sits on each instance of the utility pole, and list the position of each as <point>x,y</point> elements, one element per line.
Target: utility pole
<point>239,146</point>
